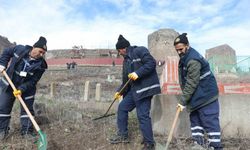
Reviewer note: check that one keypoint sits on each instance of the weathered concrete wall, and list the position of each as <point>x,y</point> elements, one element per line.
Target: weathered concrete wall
<point>234,116</point>
<point>160,43</point>
<point>163,112</point>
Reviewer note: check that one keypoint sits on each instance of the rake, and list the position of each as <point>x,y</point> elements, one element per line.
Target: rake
<point>106,113</point>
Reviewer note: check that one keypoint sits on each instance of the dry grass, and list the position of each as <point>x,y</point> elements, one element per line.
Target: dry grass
<point>85,134</point>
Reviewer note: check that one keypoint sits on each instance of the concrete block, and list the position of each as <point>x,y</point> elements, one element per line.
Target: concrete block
<point>98,92</point>
<point>52,89</point>
<point>86,91</point>
<point>163,112</point>
<point>234,116</point>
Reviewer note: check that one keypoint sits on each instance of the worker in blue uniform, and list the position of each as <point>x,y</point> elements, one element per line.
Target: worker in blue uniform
<point>25,66</point>
<point>199,94</point>
<point>140,67</point>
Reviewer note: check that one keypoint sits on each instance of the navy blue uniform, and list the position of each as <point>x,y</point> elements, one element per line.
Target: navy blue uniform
<point>200,95</point>
<point>139,93</point>
<point>19,61</point>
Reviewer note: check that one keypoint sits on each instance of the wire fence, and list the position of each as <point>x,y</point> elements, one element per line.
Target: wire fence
<point>230,64</point>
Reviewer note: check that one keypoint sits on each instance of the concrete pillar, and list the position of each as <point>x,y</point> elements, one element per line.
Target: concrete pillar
<point>98,92</point>
<point>86,91</point>
<point>163,111</point>
<point>52,89</point>
<point>109,78</point>
<point>160,43</point>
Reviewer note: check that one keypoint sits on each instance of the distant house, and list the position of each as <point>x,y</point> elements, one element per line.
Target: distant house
<point>222,58</point>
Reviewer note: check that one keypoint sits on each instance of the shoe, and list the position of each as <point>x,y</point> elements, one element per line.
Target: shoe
<point>148,146</point>
<point>215,148</point>
<point>142,142</point>
<point>196,146</point>
<point>4,134</point>
<point>119,139</point>
<point>28,135</point>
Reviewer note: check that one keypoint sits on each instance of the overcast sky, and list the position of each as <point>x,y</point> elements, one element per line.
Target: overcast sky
<point>97,23</point>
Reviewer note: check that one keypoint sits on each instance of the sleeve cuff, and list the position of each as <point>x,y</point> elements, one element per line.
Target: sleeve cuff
<point>183,101</point>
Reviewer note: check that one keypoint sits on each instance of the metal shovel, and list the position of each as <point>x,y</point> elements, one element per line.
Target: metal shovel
<point>42,141</point>
<point>106,113</point>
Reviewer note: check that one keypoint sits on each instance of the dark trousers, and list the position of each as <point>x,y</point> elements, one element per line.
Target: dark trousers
<point>143,114</point>
<point>6,103</point>
<point>206,120</point>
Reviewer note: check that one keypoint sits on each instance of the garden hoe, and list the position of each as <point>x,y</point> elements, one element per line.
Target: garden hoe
<point>173,127</point>
<point>42,141</point>
<point>106,113</point>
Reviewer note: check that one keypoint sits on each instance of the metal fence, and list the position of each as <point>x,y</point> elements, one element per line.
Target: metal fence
<point>229,64</point>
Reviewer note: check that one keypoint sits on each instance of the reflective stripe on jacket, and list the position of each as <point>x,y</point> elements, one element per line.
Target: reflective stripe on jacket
<point>139,60</point>
<point>201,92</point>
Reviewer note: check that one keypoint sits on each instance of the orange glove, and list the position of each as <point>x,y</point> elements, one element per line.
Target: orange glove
<point>117,96</point>
<point>17,92</point>
<point>133,76</point>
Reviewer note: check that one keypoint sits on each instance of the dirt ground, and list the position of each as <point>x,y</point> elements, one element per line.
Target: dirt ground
<point>82,133</point>
<point>86,134</point>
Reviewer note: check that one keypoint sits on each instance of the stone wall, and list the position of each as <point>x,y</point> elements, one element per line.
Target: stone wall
<point>4,43</point>
<point>81,53</point>
<point>160,43</point>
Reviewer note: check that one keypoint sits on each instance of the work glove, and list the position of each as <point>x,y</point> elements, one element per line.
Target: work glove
<point>180,106</point>
<point>17,92</point>
<point>133,76</point>
<point>2,68</point>
<point>117,96</point>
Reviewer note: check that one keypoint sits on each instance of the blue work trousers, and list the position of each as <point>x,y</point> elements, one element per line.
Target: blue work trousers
<point>7,100</point>
<point>206,120</point>
<point>143,114</point>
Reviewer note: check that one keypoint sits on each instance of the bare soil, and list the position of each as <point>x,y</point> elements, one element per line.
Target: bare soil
<point>86,134</point>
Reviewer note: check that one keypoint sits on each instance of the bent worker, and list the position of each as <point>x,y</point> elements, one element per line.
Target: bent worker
<point>139,66</point>
<point>26,67</point>
<point>199,94</point>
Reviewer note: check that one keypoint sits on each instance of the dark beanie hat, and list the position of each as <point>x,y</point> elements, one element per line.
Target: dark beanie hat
<point>181,39</point>
<point>122,42</point>
<point>41,43</point>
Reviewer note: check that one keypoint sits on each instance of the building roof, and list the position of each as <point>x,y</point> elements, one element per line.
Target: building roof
<point>85,61</point>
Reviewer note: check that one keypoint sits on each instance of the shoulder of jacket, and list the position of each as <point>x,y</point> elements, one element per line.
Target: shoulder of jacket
<point>140,49</point>
<point>23,48</point>
<point>19,47</point>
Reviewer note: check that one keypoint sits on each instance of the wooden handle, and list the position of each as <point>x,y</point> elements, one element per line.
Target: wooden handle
<point>22,102</point>
<point>173,127</point>
<point>125,85</point>
<point>120,92</point>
